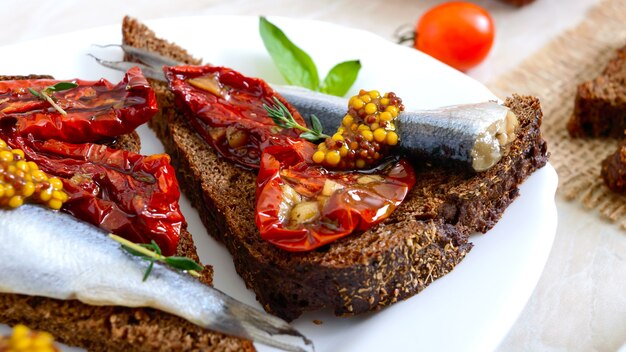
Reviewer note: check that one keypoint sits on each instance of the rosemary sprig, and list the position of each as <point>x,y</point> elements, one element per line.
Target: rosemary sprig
<point>281,116</point>
<point>46,94</point>
<point>152,253</point>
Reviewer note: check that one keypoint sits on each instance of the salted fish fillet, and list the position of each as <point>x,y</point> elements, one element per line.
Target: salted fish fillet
<point>52,254</point>
<point>476,136</point>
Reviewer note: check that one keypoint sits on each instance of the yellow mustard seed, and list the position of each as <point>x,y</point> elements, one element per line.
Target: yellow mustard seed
<point>22,165</point>
<point>6,156</point>
<point>380,135</point>
<point>385,116</point>
<point>363,137</point>
<point>16,201</point>
<point>21,180</point>
<point>371,108</point>
<point>19,153</point>
<point>374,94</point>
<point>365,98</point>
<point>25,340</point>
<point>57,195</point>
<point>20,332</point>
<point>348,120</point>
<point>46,194</point>
<point>368,135</point>
<point>392,138</point>
<point>9,191</point>
<point>357,103</point>
<point>28,189</point>
<point>56,183</point>
<point>337,137</point>
<point>333,157</point>
<point>42,340</point>
<point>393,110</point>
<point>55,204</point>
<point>318,156</point>
<point>38,176</point>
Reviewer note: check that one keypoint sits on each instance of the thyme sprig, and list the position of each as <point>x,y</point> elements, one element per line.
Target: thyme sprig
<point>152,253</point>
<point>46,94</point>
<point>281,116</point>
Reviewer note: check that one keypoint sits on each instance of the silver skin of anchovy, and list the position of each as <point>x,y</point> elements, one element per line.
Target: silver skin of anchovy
<point>52,254</point>
<point>448,133</point>
<point>470,134</point>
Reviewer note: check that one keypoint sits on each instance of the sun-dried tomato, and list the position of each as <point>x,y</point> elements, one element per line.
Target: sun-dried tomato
<point>299,205</point>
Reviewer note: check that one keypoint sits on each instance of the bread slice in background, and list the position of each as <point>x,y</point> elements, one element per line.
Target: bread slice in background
<point>108,328</point>
<point>423,239</point>
<point>600,104</point>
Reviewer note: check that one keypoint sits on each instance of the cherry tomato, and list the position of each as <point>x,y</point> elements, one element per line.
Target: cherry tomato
<point>459,34</point>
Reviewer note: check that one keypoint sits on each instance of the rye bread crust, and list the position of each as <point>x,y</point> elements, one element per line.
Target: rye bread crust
<point>108,328</point>
<point>600,105</point>
<point>423,240</point>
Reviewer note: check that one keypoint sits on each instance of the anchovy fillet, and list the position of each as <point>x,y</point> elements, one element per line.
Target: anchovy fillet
<point>474,135</point>
<point>52,254</point>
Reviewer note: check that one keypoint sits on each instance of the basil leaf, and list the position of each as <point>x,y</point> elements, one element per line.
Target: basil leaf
<point>294,64</point>
<point>61,86</point>
<point>341,77</point>
<point>183,263</point>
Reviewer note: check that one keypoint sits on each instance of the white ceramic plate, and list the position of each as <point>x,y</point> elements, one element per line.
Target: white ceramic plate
<point>470,309</point>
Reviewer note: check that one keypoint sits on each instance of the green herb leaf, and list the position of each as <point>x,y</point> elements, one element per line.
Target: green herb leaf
<point>152,253</point>
<point>61,86</point>
<point>294,64</point>
<point>316,124</point>
<point>149,270</point>
<point>46,94</point>
<point>281,116</point>
<point>134,252</point>
<point>309,136</point>
<point>341,77</point>
<point>183,263</point>
<point>35,93</point>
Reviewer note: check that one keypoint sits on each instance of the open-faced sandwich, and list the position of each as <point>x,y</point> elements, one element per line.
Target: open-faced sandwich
<point>377,208</point>
<point>350,226</point>
<point>71,145</point>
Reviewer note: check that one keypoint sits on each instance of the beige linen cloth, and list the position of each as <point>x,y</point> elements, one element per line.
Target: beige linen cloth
<point>552,74</point>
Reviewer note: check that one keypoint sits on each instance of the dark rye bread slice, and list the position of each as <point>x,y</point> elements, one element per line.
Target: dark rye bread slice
<point>108,328</point>
<point>422,241</point>
<point>600,106</point>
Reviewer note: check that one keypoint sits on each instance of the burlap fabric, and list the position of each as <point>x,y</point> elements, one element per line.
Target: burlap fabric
<point>552,74</point>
